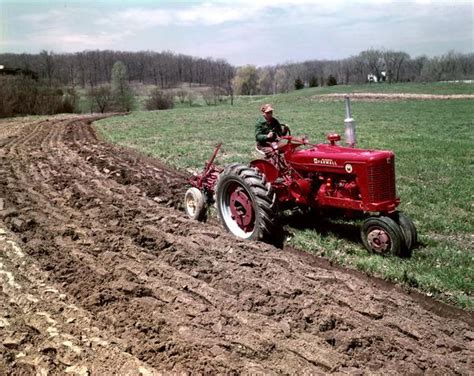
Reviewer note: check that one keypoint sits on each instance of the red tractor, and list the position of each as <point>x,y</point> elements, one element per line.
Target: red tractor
<point>318,177</point>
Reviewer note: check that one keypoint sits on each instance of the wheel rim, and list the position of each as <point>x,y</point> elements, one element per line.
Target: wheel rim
<point>191,204</point>
<point>237,210</point>
<point>379,240</point>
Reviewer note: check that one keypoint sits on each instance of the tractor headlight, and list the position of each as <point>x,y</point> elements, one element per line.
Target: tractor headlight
<point>348,168</point>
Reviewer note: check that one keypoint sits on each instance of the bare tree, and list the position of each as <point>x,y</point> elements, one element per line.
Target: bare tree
<point>100,97</point>
<point>282,80</point>
<point>48,66</point>
<point>393,64</point>
<point>373,59</point>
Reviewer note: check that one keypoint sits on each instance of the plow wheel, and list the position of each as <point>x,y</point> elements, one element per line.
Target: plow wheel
<point>194,204</point>
<point>382,235</point>
<point>246,205</point>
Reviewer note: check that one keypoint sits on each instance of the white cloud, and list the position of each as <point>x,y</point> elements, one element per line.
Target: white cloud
<point>41,18</point>
<point>245,31</point>
<point>67,41</point>
<point>203,14</point>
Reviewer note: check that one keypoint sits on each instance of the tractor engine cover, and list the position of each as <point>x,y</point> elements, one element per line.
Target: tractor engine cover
<point>367,174</point>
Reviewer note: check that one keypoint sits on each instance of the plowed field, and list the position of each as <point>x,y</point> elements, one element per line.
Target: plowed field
<point>101,274</point>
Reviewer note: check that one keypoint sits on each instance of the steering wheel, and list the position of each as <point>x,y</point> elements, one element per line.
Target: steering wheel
<point>295,140</point>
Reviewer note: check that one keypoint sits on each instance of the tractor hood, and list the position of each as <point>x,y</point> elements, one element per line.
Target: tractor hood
<point>336,157</point>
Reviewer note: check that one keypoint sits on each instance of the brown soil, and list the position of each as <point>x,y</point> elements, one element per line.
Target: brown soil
<point>101,274</point>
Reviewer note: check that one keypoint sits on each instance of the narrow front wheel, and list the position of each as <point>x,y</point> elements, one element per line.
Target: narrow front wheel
<point>408,230</point>
<point>382,235</point>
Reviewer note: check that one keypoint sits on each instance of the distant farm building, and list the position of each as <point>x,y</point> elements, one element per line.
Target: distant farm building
<point>373,78</point>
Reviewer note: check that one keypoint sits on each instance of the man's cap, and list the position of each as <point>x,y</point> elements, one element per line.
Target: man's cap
<point>266,108</point>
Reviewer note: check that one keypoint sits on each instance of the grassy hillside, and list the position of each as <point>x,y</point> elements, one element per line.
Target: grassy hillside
<point>433,142</point>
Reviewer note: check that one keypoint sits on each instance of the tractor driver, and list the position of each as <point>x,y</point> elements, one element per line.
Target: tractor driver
<point>268,129</point>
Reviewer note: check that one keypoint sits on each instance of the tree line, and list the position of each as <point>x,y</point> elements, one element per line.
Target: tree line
<point>50,80</point>
<point>377,65</point>
<point>92,68</point>
<point>167,69</point>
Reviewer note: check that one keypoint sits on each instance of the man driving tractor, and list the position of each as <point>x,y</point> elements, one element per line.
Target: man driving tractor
<point>268,129</point>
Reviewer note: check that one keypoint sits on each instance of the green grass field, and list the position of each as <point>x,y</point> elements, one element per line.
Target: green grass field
<point>433,142</point>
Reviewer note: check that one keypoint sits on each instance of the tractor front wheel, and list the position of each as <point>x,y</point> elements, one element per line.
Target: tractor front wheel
<point>247,205</point>
<point>382,235</point>
<point>408,231</point>
<point>194,204</point>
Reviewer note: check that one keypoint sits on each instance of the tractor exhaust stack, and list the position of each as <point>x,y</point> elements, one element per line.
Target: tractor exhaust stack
<point>349,124</point>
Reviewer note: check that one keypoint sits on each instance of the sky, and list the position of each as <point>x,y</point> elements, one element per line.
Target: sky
<point>258,32</point>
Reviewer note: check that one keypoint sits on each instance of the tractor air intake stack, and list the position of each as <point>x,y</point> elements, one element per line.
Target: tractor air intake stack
<point>349,124</point>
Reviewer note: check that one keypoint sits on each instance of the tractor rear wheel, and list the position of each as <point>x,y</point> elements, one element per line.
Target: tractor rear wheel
<point>247,205</point>
<point>194,204</point>
<point>382,235</point>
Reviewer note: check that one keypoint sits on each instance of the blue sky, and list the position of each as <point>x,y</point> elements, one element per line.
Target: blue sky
<point>260,32</point>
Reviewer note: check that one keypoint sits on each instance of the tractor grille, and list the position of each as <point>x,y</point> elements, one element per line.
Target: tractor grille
<point>381,181</point>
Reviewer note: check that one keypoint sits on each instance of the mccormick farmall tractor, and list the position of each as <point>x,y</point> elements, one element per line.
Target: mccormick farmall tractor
<point>317,178</point>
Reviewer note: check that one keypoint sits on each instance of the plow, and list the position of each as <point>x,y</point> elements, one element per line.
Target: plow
<point>322,179</point>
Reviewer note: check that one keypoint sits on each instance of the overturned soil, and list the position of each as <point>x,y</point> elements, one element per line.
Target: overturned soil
<point>102,274</point>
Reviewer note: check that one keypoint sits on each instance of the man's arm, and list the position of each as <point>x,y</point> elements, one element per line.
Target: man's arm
<point>277,127</point>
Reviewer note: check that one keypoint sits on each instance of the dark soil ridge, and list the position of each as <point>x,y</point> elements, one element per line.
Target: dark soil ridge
<point>99,222</point>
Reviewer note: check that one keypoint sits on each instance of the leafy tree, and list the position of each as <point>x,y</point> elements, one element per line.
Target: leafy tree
<point>246,80</point>
<point>122,93</point>
<point>299,84</point>
<point>265,81</point>
<point>282,84</point>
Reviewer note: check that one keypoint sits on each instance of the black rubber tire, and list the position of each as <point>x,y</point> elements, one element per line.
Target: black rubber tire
<point>260,195</point>
<point>374,228</point>
<point>408,230</point>
<point>194,204</point>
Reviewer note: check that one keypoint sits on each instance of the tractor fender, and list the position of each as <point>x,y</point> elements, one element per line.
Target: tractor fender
<point>266,168</point>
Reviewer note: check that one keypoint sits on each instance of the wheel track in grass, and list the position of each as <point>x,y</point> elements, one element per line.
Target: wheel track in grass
<point>99,223</point>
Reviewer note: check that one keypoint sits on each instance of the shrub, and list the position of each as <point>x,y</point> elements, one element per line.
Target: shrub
<point>299,84</point>
<point>213,95</point>
<point>331,81</point>
<point>159,100</point>
<point>181,94</point>
<point>26,96</point>
<point>191,98</point>
<point>313,81</point>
